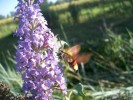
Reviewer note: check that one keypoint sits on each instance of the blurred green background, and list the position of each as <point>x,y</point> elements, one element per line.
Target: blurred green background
<point>105,26</point>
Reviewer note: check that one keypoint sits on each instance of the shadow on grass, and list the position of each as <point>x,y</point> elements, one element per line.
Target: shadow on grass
<point>7,45</point>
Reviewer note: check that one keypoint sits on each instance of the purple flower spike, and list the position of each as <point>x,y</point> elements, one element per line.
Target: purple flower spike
<point>36,54</point>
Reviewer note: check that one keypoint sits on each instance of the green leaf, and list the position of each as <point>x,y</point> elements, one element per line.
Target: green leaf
<point>78,90</point>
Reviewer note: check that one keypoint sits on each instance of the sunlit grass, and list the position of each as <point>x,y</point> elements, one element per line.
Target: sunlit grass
<point>65,5</point>
<point>7,29</point>
<point>6,21</point>
<point>85,14</point>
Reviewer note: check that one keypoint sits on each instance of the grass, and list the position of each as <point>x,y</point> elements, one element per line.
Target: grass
<point>6,21</point>
<point>111,69</point>
<point>64,6</point>
<point>93,16</point>
<point>7,40</point>
<point>87,8</point>
<point>7,29</point>
<point>9,76</point>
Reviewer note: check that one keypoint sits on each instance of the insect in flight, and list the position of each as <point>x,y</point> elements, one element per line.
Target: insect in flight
<point>73,58</point>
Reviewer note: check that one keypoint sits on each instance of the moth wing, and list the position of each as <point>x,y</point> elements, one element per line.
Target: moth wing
<point>83,58</point>
<point>74,50</point>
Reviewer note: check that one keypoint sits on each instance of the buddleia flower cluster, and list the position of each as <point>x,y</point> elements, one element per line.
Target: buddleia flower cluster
<point>36,54</point>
